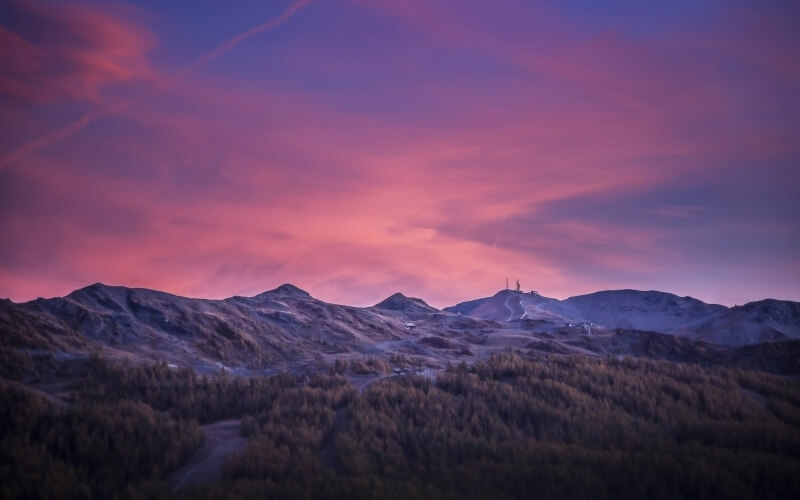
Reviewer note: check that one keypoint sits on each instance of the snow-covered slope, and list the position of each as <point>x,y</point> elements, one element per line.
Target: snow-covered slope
<point>638,310</point>
<point>508,305</point>
<point>763,321</point>
<point>767,320</point>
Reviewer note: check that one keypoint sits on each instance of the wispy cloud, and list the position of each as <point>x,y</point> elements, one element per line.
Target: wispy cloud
<point>432,148</point>
<point>680,211</point>
<point>120,71</point>
<point>69,52</point>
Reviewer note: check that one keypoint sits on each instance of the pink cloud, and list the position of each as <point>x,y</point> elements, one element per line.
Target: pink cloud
<point>219,188</point>
<point>56,52</point>
<point>250,213</point>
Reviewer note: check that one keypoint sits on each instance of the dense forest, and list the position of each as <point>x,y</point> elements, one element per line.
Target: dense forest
<point>510,427</point>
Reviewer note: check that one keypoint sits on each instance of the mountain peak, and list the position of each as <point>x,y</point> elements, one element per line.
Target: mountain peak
<point>287,290</point>
<point>93,286</point>
<point>91,290</point>
<point>399,302</point>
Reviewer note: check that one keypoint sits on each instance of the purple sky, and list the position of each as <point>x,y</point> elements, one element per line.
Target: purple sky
<point>358,148</point>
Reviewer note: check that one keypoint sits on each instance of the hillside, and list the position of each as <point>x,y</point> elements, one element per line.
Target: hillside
<point>769,320</point>
<point>562,427</point>
<point>138,384</point>
<point>280,326</point>
<point>507,305</point>
<point>763,321</point>
<point>651,310</point>
<point>288,329</point>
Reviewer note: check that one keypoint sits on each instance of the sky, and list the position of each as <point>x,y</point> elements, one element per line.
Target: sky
<point>357,148</point>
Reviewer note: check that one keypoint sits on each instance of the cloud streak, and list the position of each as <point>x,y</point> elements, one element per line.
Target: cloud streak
<point>163,86</point>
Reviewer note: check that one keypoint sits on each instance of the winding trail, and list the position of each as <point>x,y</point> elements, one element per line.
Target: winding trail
<point>508,308</point>
<point>371,381</point>
<point>754,396</point>
<point>47,395</point>
<point>204,467</point>
<point>512,314</point>
<point>427,372</point>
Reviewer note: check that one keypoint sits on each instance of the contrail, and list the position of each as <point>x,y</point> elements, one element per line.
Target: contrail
<point>499,232</point>
<point>37,144</point>
<point>78,125</point>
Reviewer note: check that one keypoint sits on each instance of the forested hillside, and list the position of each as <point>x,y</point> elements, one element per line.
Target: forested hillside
<point>561,427</point>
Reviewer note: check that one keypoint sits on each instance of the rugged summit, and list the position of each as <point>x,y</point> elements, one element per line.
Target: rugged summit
<point>286,290</point>
<point>399,302</point>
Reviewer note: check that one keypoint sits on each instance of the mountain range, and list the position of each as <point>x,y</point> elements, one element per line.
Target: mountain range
<point>752,323</point>
<point>288,329</point>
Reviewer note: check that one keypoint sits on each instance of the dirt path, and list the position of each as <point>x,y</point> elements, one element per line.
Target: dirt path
<point>362,384</point>
<point>757,398</point>
<point>205,466</point>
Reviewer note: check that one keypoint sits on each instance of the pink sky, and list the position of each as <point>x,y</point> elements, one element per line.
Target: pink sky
<point>361,148</point>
